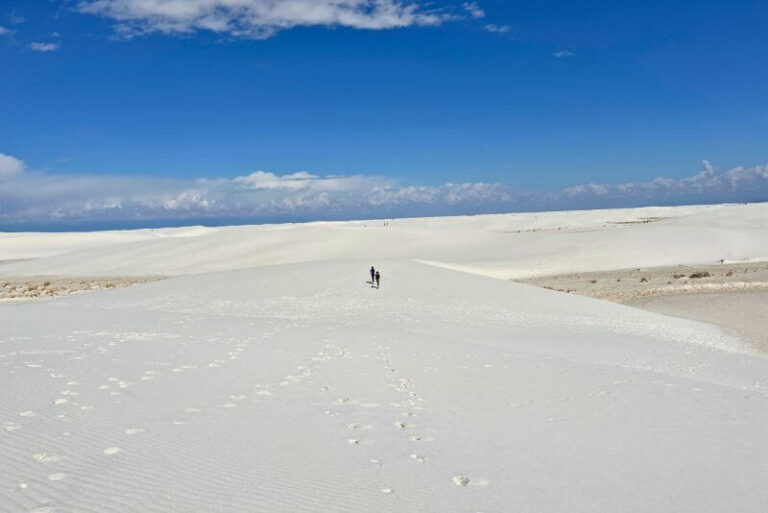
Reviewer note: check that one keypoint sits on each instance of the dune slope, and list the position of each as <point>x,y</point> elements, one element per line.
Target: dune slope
<point>300,388</point>
<point>508,246</point>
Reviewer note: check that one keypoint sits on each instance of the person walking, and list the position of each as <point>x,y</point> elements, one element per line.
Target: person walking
<point>373,274</point>
<point>378,278</point>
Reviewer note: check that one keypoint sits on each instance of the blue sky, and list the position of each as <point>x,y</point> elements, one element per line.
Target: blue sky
<point>109,98</point>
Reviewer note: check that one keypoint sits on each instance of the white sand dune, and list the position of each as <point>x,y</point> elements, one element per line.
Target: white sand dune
<point>21,246</point>
<point>502,246</point>
<point>284,382</point>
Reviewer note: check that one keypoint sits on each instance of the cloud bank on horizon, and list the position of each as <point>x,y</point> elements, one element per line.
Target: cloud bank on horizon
<point>41,198</point>
<point>261,19</point>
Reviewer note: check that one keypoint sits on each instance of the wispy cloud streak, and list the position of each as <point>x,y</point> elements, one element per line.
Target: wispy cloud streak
<point>43,47</point>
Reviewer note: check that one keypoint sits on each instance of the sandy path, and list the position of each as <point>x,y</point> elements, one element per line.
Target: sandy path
<point>743,313</point>
<point>627,285</point>
<point>731,296</point>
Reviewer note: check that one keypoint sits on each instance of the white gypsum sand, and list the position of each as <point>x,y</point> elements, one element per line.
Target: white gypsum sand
<point>508,246</point>
<point>267,375</point>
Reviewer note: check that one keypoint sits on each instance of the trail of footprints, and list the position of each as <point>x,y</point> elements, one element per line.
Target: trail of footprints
<point>410,401</point>
<point>69,397</point>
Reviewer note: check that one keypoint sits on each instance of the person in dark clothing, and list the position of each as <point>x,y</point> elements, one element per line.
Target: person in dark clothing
<point>373,274</point>
<point>378,279</point>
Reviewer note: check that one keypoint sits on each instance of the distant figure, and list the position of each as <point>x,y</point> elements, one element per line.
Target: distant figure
<point>378,279</point>
<point>373,274</point>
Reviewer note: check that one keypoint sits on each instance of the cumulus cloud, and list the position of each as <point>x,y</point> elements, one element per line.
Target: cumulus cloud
<point>257,19</point>
<point>43,47</point>
<point>561,54</point>
<point>303,181</point>
<point>5,31</point>
<point>708,186</point>
<point>474,10</point>
<point>39,197</point>
<point>34,197</point>
<point>10,166</point>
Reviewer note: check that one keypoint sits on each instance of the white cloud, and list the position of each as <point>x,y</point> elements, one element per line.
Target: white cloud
<point>32,196</point>
<point>4,31</point>
<point>708,186</point>
<point>303,181</point>
<point>474,10</point>
<point>37,197</point>
<point>43,47</point>
<point>563,53</point>
<point>497,29</point>
<point>10,166</point>
<point>257,19</point>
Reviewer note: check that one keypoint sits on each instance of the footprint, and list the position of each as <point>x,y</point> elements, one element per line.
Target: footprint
<point>43,457</point>
<point>422,438</point>
<point>112,450</point>
<point>400,425</point>
<point>460,480</point>
<point>353,441</point>
<point>417,457</point>
<point>387,491</point>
